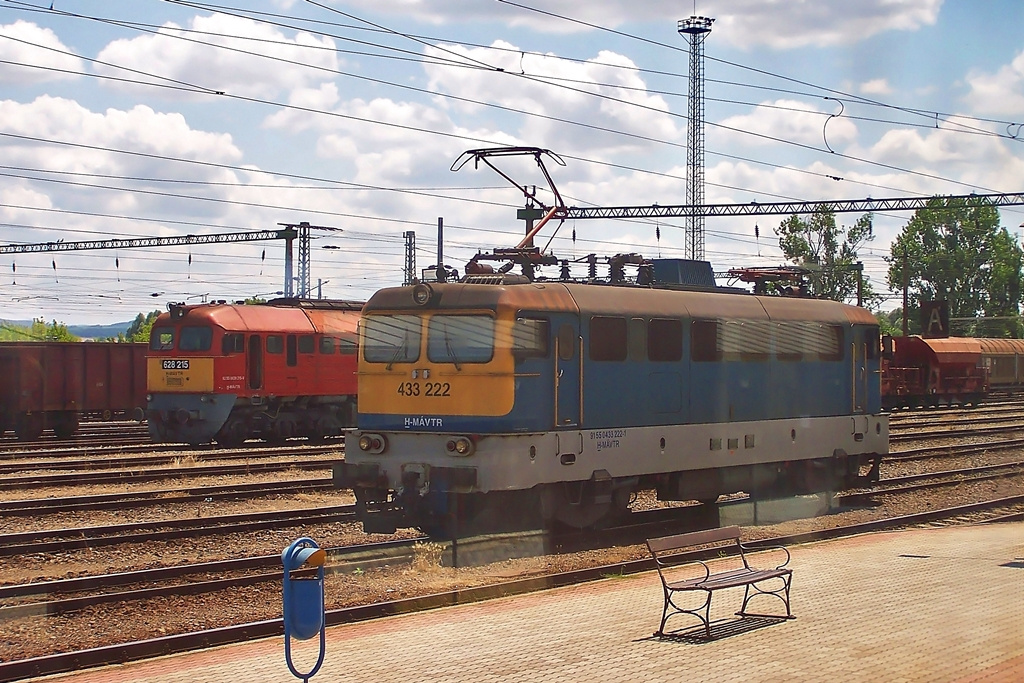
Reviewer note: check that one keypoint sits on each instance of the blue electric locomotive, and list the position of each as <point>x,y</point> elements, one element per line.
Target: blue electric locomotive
<point>501,400</point>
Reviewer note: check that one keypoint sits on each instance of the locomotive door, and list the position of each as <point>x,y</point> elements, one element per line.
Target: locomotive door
<point>568,404</point>
<point>255,362</point>
<point>859,363</point>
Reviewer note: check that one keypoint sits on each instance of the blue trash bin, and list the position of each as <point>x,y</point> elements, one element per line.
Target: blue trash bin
<point>303,599</point>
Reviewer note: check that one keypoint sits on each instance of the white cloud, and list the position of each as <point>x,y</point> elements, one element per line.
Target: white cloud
<point>877,86</point>
<point>140,129</point>
<point>25,43</point>
<point>998,94</point>
<point>606,92</point>
<point>197,56</point>
<point>792,121</point>
<point>781,25</point>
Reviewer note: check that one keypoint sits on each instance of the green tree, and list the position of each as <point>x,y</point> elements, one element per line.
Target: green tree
<point>140,328</point>
<point>55,331</point>
<point>890,322</point>
<point>830,251</point>
<point>955,250</point>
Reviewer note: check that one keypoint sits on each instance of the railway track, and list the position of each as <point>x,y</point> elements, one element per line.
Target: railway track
<point>106,462</point>
<point>69,450</point>
<point>995,510</point>
<point>65,540</point>
<point>136,499</point>
<point>31,481</point>
<point>91,597</point>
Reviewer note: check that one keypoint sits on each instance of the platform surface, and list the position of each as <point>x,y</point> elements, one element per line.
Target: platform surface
<point>929,605</point>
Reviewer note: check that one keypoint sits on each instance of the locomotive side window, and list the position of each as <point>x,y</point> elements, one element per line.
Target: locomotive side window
<point>789,341</point>
<point>871,340</point>
<point>665,340</point>
<point>326,345</point>
<point>460,339</point>
<point>607,339</point>
<point>232,343</point>
<point>744,340</point>
<point>195,338</point>
<point>530,338</point>
<point>347,346</point>
<point>704,341</point>
<point>826,341</point>
<point>566,342</point>
<point>391,338</point>
<point>275,343</point>
<point>306,343</point>
<point>162,339</point>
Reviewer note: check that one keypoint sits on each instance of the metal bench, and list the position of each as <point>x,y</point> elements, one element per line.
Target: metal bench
<point>671,553</point>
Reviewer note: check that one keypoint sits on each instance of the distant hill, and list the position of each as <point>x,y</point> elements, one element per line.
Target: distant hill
<point>84,331</point>
<point>99,331</point>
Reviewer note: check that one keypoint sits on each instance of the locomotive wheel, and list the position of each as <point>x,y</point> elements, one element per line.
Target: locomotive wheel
<point>29,426</point>
<point>232,434</point>
<point>65,425</point>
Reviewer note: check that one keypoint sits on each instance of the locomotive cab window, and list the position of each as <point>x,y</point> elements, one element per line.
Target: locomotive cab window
<point>162,339</point>
<point>530,338</point>
<point>275,343</point>
<point>306,343</point>
<point>460,339</point>
<point>232,343</point>
<point>607,338</point>
<point>347,346</point>
<point>391,338</point>
<point>195,338</point>
<point>326,346</point>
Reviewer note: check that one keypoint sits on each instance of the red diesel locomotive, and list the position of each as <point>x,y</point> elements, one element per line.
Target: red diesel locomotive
<point>230,372</point>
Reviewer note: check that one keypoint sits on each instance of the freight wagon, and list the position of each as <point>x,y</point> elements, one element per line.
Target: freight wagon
<point>919,372</point>
<point>53,385</point>
<point>1004,359</point>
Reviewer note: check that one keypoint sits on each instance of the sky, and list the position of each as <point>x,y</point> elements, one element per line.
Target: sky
<point>127,119</point>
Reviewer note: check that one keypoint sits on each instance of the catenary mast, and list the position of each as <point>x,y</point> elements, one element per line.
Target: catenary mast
<point>695,29</point>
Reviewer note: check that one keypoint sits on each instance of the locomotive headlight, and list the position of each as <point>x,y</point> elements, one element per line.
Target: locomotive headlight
<point>422,294</point>
<point>460,446</point>
<point>373,443</point>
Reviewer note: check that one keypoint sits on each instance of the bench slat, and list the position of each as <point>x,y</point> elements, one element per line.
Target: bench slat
<point>728,580</point>
<point>679,541</point>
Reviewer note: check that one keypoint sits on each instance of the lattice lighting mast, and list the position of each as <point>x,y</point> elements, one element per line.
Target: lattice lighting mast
<point>695,29</point>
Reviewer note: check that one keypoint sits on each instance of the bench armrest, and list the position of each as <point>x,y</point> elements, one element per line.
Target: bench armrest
<point>747,549</point>
<point>665,564</point>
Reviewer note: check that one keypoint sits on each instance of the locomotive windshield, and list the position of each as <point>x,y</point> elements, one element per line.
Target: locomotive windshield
<point>162,339</point>
<point>195,338</point>
<point>391,338</point>
<point>460,339</point>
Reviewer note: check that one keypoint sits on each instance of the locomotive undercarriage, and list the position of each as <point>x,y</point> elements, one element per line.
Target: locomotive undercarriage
<point>770,480</point>
<point>448,514</point>
<point>197,419</point>
<point>449,508</point>
<point>282,419</point>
